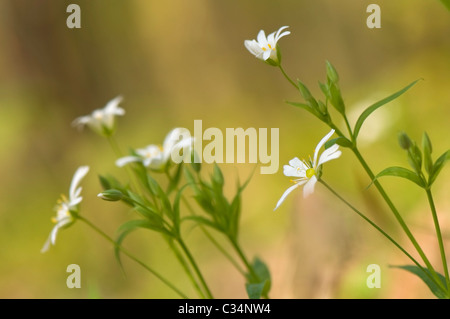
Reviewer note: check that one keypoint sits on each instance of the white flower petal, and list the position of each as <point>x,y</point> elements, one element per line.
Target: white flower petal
<point>266,54</point>
<point>46,245</point>
<point>329,154</point>
<point>287,192</point>
<point>127,159</point>
<point>253,47</point>
<point>308,189</point>
<point>112,107</point>
<point>291,171</point>
<point>296,162</point>
<point>77,177</point>
<point>279,35</point>
<point>319,146</point>
<point>262,40</point>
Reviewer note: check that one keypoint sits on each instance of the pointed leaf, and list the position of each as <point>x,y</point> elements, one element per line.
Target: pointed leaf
<point>438,165</point>
<point>427,149</point>
<point>175,179</point>
<point>307,95</point>
<point>130,226</point>
<point>332,73</point>
<point>341,141</point>
<point>435,289</point>
<point>306,107</point>
<point>336,98</point>
<point>203,221</point>
<point>376,105</point>
<point>402,172</point>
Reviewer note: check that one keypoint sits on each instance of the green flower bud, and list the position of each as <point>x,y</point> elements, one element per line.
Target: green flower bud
<point>404,141</point>
<point>111,195</point>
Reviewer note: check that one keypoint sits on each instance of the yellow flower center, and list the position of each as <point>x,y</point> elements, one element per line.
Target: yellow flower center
<point>310,172</point>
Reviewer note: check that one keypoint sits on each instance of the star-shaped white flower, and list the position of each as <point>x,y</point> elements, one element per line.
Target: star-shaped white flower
<point>306,173</point>
<point>265,48</point>
<point>155,156</point>
<point>102,121</point>
<point>65,207</point>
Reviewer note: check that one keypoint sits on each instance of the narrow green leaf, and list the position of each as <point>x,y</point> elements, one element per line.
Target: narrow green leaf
<point>325,90</point>
<point>307,95</point>
<point>336,98</point>
<point>130,226</point>
<point>427,150</point>
<point>217,176</point>
<point>306,107</point>
<point>332,73</point>
<point>446,3</point>
<point>341,141</point>
<point>104,182</point>
<point>415,158</point>
<point>203,221</point>
<point>438,165</point>
<point>175,179</point>
<point>376,105</point>
<point>431,285</point>
<point>402,172</point>
<point>235,214</point>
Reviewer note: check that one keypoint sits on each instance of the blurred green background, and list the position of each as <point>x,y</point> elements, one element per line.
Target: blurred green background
<point>176,61</point>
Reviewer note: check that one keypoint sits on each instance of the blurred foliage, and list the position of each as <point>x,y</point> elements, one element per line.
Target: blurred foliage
<point>176,61</point>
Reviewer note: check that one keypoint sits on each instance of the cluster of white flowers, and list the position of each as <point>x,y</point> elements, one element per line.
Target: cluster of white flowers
<point>102,121</point>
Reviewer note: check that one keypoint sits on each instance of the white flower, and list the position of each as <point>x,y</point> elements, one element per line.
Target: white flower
<point>65,206</point>
<point>155,156</point>
<point>102,121</point>
<point>266,48</point>
<point>307,172</point>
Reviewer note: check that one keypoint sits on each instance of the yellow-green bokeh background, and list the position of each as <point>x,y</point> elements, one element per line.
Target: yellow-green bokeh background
<point>176,61</point>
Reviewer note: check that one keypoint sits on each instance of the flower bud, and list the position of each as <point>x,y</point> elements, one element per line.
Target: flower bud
<point>111,195</point>
<point>404,141</point>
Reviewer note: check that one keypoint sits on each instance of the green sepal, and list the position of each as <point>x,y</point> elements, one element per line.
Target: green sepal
<point>437,166</point>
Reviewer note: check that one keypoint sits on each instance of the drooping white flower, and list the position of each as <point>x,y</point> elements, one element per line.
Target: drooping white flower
<point>306,173</point>
<point>102,121</point>
<point>65,207</point>
<point>156,156</point>
<point>265,48</point>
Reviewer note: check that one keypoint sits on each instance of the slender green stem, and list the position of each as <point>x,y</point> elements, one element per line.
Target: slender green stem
<point>439,236</point>
<point>397,216</point>
<point>186,268</point>
<point>348,125</point>
<point>196,269</point>
<point>132,257</point>
<point>213,240</point>
<point>245,260</point>
<point>381,231</point>
<point>287,77</point>
<point>367,219</point>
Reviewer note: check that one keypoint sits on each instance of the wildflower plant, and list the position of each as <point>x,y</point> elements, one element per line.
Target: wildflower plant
<point>423,172</point>
<point>160,177</point>
<point>168,190</point>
